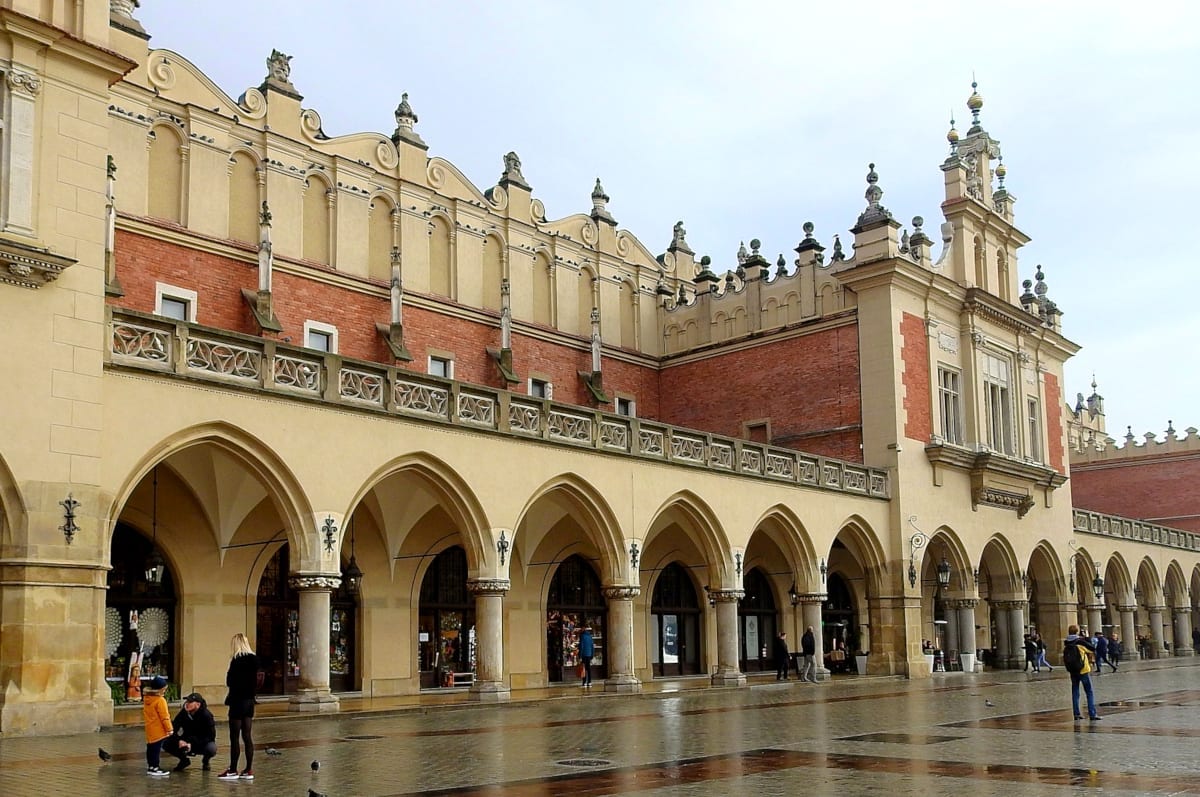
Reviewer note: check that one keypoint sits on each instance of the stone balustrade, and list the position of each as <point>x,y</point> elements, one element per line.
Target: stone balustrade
<point>151,343</point>
<point>1134,530</point>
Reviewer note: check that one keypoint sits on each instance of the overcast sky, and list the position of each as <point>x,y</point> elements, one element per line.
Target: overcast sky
<point>747,119</point>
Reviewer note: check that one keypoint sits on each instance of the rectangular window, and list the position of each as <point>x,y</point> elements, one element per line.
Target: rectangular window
<point>540,388</point>
<point>1035,429</point>
<point>322,337</point>
<point>950,405</point>
<point>174,302</point>
<point>441,366</point>
<point>626,406</point>
<point>997,403</point>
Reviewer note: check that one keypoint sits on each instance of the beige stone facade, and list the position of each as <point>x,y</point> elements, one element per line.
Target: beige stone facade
<point>267,355</point>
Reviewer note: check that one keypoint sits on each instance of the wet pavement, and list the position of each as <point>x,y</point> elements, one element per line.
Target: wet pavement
<point>848,736</point>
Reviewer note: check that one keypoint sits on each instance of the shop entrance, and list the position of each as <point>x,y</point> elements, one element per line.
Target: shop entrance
<point>675,624</point>
<point>840,623</point>
<point>278,631</point>
<point>573,603</point>
<point>757,624</point>
<point>446,623</point>
<point>139,618</point>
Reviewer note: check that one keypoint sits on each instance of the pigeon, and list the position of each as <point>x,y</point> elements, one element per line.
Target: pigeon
<point>273,751</point>
<point>315,793</point>
<point>316,766</point>
<point>105,756</point>
<point>989,703</point>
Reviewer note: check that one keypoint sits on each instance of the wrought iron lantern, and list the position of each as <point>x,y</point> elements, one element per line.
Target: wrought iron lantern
<point>155,566</point>
<point>943,573</point>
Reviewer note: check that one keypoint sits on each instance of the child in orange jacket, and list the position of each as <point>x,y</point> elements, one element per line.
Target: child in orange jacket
<point>158,724</point>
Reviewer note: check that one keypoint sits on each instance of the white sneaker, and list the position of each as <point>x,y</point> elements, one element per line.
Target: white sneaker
<point>155,772</point>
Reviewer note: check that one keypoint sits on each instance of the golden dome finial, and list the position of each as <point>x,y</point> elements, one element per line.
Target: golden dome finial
<point>974,103</point>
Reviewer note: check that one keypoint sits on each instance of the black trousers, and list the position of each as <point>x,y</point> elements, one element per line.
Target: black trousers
<point>171,745</point>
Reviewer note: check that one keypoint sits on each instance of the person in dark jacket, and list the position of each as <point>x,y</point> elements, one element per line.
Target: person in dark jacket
<point>587,651</point>
<point>1087,654</point>
<point>781,656</point>
<point>1101,645</point>
<point>1031,657</point>
<point>195,733</point>
<point>808,648</point>
<point>1114,651</point>
<point>242,680</point>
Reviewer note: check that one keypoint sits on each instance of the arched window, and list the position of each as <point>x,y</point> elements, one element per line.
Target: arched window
<point>574,602</point>
<point>244,206</point>
<point>379,240</point>
<point>493,271</point>
<point>629,306</point>
<point>543,287</point>
<point>166,175</point>
<point>587,300</point>
<point>316,220</point>
<point>439,256</point>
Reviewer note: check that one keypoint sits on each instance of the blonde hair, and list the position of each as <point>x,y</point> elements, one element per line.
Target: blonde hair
<point>240,645</point>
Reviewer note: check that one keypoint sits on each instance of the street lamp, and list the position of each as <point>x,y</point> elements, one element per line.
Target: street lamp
<point>915,543</point>
<point>1074,553</point>
<point>793,594</point>
<point>943,573</point>
<point>352,574</point>
<point>1098,585</point>
<point>155,566</point>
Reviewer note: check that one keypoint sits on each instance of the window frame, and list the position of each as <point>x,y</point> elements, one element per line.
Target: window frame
<point>440,358</point>
<point>187,297</point>
<point>950,404</point>
<point>629,403</point>
<point>540,388</point>
<point>320,328</point>
<point>1033,419</point>
<point>998,404</point>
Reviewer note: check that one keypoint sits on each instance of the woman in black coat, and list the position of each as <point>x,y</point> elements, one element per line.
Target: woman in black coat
<point>242,680</point>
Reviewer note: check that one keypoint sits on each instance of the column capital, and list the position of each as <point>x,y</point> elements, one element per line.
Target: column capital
<point>488,586</point>
<point>1180,610</point>
<point>1094,607</point>
<point>963,603</point>
<point>812,598</point>
<point>726,595</point>
<point>24,83</point>
<point>1010,605</point>
<point>1127,607</point>
<point>620,593</point>
<point>314,582</point>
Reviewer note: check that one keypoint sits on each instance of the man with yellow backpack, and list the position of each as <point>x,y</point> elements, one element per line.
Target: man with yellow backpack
<point>1079,657</point>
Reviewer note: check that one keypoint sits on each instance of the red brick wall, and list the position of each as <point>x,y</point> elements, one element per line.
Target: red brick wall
<point>1160,489</point>
<point>804,385</point>
<point>1054,427</point>
<point>918,405</point>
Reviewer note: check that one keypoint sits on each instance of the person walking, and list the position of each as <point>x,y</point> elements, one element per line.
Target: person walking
<point>1031,657</point>
<point>587,651</point>
<point>808,648</point>
<point>1041,653</point>
<point>195,733</point>
<point>242,680</point>
<point>1078,654</point>
<point>1101,643</point>
<point>1114,651</point>
<point>781,656</point>
<point>157,719</point>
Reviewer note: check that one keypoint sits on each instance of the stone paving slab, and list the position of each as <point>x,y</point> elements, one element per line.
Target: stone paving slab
<point>850,736</point>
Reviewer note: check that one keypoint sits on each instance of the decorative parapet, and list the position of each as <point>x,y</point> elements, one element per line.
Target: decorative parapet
<point>151,343</point>
<point>1135,530</point>
<point>1105,450</point>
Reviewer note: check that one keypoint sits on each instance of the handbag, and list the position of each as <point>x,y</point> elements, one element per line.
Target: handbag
<point>582,671</point>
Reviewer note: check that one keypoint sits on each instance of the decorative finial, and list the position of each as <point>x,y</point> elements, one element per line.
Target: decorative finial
<point>742,254</point>
<point>875,212</point>
<point>975,103</point>
<point>1040,287</point>
<point>1001,170</point>
<point>512,172</point>
<point>678,236</point>
<point>755,245</point>
<point>599,204</point>
<point>405,119</point>
<point>838,254</point>
<point>279,67</point>
<point>904,242</point>
<point>917,223</point>
<point>952,137</point>
<point>808,228</point>
<point>780,267</point>
<point>1170,428</point>
<point>598,192</point>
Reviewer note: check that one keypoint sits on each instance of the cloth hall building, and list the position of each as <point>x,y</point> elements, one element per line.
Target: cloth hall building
<point>409,432</point>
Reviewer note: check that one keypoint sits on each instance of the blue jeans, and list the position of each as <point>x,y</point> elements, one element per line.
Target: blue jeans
<point>1086,680</point>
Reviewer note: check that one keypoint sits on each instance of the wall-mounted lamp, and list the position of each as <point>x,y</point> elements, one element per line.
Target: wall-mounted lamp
<point>915,543</point>
<point>943,573</point>
<point>1074,546</point>
<point>793,594</point>
<point>68,528</point>
<point>155,566</point>
<point>353,575</point>
<point>1098,584</point>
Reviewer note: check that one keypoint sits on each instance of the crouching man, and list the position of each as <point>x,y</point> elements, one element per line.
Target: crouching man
<point>195,733</point>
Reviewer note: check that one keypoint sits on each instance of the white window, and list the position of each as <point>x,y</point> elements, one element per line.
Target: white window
<point>173,302</point>
<point>627,407</point>
<point>997,403</point>
<point>322,337</point>
<point>441,366</point>
<point>540,388</point>
<point>950,405</point>
<point>1034,419</point>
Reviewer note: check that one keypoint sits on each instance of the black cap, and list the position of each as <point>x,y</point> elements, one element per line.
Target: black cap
<point>194,697</point>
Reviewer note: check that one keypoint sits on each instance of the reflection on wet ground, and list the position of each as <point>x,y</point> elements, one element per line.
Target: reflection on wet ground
<point>994,733</point>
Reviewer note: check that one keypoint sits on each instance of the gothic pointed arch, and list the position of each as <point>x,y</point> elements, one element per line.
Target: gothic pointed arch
<point>13,516</point>
<point>780,525</point>
<point>164,199</point>
<point>317,225</point>
<point>380,238</point>
<point>493,269</point>
<point>692,518</point>
<point>244,203</point>
<point>568,503</point>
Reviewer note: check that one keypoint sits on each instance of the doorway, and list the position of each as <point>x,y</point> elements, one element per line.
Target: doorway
<point>574,602</point>
<point>675,624</point>
<point>446,622</point>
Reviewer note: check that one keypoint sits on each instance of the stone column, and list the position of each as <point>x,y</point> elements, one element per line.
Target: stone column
<point>727,673</point>
<point>812,617</point>
<point>618,640</point>
<point>489,685</point>
<point>1095,615</point>
<point>1183,631</point>
<point>1129,649</point>
<point>1157,649</point>
<point>314,694</point>
<point>966,625</point>
<point>1001,641</point>
<point>1016,634</point>
<point>950,612</point>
